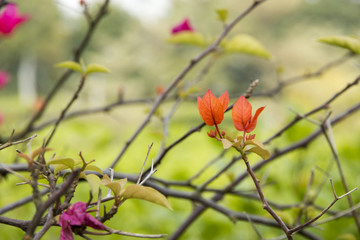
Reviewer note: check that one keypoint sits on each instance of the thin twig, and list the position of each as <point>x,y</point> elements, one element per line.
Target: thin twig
<point>331,142</point>
<point>11,143</point>
<point>347,212</point>
<point>254,227</point>
<point>266,205</point>
<point>119,232</point>
<point>319,72</point>
<point>142,169</point>
<point>64,111</point>
<point>336,198</point>
<point>315,110</point>
<point>305,202</point>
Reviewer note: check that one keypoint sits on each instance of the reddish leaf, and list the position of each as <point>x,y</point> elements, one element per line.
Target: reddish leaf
<point>241,113</point>
<point>253,121</point>
<point>212,108</point>
<point>224,99</point>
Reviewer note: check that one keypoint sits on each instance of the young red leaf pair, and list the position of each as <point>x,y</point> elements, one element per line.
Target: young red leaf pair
<point>212,111</point>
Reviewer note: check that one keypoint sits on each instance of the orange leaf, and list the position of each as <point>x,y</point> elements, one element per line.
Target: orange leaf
<point>242,119</point>
<point>241,113</point>
<point>253,121</point>
<point>224,99</point>
<point>212,108</point>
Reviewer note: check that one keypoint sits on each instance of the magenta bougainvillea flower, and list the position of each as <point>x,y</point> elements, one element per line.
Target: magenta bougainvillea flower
<point>184,26</point>
<point>10,18</point>
<point>77,216</point>
<point>4,78</point>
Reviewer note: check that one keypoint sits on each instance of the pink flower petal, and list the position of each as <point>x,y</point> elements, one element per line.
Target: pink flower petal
<point>182,27</point>
<point>10,18</point>
<point>66,232</point>
<point>93,222</point>
<point>76,215</point>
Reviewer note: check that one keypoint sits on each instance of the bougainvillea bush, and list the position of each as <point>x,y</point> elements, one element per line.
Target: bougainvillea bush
<point>192,157</point>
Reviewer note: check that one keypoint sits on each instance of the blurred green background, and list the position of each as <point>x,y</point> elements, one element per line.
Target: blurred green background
<point>136,51</point>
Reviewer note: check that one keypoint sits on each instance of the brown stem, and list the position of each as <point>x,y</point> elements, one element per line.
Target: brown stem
<point>43,207</point>
<point>266,205</point>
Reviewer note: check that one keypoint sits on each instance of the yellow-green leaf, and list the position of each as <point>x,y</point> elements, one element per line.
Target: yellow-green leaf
<point>70,65</point>
<point>115,186</point>
<point>94,182</point>
<point>92,68</point>
<point>257,147</point>
<point>226,143</point>
<point>91,167</point>
<point>222,14</point>
<point>189,38</point>
<point>243,43</point>
<point>60,167</point>
<point>105,180</point>
<point>82,175</point>
<point>350,43</point>
<point>146,193</point>
<point>69,162</point>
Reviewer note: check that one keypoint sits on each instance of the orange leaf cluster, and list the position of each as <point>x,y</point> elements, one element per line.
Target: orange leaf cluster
<point>212,111</point>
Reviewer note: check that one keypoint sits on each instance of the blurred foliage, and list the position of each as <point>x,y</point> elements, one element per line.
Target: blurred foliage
<point>140,59</point>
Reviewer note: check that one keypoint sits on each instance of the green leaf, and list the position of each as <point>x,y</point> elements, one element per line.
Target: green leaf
<point>82,175</point>
<point>60,167</point>
<point>226,143</point>
<point>93,168</point>
<point>189,38</point>
<point>94,182</point>
<point>222,14</point>
<point>69,162</point>
<point>243,43</point>
<point>146,193</point>
<point>115,186</point>
<point>70,65</point>
<point>257,147</point>
<point>350,43</point>
<point>92,68</point>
